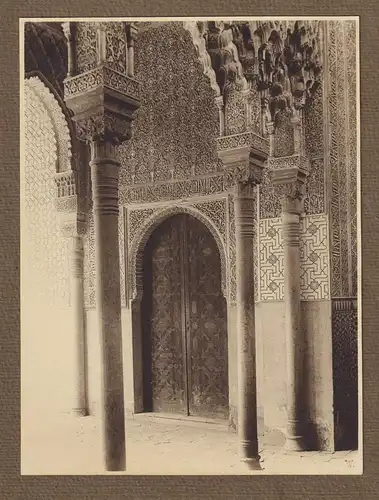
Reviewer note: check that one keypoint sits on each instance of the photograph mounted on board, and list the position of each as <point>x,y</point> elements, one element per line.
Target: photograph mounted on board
<point>190,246</point>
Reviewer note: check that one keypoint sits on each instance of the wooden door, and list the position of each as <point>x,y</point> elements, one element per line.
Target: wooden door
<point>184,321</point>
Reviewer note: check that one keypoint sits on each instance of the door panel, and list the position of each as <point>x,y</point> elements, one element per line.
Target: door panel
<point>207,326</point>
<point>185,321</point>
<point>162,317</point>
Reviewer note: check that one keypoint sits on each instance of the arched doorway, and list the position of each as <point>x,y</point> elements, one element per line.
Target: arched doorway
<point>184,321</point>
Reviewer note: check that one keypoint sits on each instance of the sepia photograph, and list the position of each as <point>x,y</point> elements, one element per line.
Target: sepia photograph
<point>190,246</point>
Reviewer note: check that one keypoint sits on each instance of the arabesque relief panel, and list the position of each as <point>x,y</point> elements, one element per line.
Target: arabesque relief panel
<point>176,127</point>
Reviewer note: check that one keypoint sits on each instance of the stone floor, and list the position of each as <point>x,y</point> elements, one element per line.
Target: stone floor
<point>164,446</point>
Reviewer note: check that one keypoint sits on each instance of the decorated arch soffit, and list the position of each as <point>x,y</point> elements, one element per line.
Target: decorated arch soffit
<point>144,232</point>
<point>66,168</point>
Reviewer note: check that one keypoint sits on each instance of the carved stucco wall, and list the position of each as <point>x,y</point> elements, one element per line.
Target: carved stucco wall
<point>172,156</point>
<point>330,141</point>
<point>342,194</point>
<point>174,134</point>
<point>45,301</point>
<point>342,160</point>
<point>176,126</point>
<point>164,158</point>
<point>174,144</point>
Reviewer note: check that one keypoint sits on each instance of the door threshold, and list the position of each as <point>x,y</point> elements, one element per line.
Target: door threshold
<point>188,419</point>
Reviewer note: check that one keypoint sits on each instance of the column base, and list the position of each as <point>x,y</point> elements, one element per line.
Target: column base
<point>252,463</point>
<point>80,412</point>
<point>115,465</point>
<point>294,443</point>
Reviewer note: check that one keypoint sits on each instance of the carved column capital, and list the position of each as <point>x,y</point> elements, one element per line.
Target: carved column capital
<point>104,96</point>
<point>292,195</point>
<point>290,173</point>
<point>132,32</point>
<point>244,157</point>
<point>244,174</point>
<point>103,125</point>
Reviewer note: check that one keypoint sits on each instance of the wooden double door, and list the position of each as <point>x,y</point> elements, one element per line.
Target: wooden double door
<point>184,322</point>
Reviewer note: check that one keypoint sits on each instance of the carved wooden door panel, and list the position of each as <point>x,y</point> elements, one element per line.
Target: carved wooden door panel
<point>184,321</point>
<point>162,319</point>
<point>206,325</point>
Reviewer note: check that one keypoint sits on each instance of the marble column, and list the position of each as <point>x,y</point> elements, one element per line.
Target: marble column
<point>132,33</point>
<point>245,216</point>
<point>77,304</point>
<point>104,175</point>
<point>292,187</point>
<point>103,102</point>
<point>243,166</point>
<point>68,29</point>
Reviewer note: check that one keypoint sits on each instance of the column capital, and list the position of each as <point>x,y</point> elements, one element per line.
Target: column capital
<point>290,173</point>
<point>103,95</point>
<point>103,102</point>
<point>244,157</point>
<point>244,174</point>
<point>131,31</point>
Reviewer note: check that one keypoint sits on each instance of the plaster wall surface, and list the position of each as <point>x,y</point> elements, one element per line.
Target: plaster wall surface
<point>47,328</point>
<point>316,322</point>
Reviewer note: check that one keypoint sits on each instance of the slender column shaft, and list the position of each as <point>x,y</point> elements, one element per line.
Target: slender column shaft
<point>294,334</point>
<point>247,400</point>
<point>131,58</point>
<point>104,173</point>
<point>77,302</point>
<point>221,114</point>
<point>67,28</point>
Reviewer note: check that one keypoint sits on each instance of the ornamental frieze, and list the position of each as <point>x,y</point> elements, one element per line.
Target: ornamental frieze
<point>288,162</point>
<point>200,186</point>
<point>105,77</point>
<point>246,139</point>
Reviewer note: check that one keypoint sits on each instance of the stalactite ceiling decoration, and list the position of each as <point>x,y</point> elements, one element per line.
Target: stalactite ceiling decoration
<point>283,58</point>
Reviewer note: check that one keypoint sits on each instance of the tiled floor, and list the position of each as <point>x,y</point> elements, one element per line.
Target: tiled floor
<point>166,446</point>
